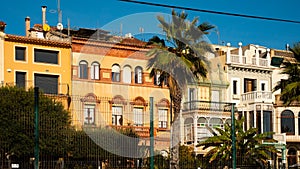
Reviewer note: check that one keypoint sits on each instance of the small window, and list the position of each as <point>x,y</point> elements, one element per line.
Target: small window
<point>138,75</point>
<point>115,73</point>
<point>95,71</point>
<point>21,79</point>
<point>47,83</point>
<point>20,53</point>
<point>46,56</point>
<point>83,70</point>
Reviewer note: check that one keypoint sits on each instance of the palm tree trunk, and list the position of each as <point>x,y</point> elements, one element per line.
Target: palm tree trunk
<point>175,131</point>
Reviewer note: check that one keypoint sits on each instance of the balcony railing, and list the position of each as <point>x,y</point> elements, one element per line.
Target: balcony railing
<point>139,130</point>
<point>257,96</point>
<point>207,106</point>
<point>243,60</point>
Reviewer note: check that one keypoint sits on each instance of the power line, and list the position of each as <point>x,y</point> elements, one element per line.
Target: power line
<point>213,12</point>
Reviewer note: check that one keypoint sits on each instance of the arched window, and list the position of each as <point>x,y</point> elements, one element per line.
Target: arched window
<point>188,130</point>
<point>83,70</point>
<point>115,73</point>
<point>138,75</point>
<point>287,122</point>
<point>216,122</point>
<point>126,74</point>
<point>95,71</point>
<point>202,122</point>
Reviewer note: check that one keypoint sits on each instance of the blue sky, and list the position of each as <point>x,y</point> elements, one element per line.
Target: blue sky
<point>111,14</point>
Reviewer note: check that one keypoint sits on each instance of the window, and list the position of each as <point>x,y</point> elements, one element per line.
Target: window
<point>234,86</point>
<point>138,116</point>
<point>287,122</point>
<point>216,122</point>
<point>89,114</point>
<point>20,53</point>
<point>21,79</point>
<point>117,115</point>
<point>95,71</point>
<point>162,118</point>
<point>83,70</point>
<point>115,73</point>
<point>138,75</point>
<point>46,56</point>
<point>127,74</point>
<point>47,83</point>
<point>249,85</point>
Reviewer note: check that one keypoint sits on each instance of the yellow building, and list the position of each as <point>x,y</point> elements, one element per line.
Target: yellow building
<point>37,62</point>
<point>111,86</point>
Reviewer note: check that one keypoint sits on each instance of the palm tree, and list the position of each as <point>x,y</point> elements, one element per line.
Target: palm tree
<point>290,88</point>
<point>249,145</point>
<point>179,65</point>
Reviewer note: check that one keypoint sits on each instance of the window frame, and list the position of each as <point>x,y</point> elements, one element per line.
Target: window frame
<point>56,62</point>
<point>16,79</point>
<point>93,117</point>
<point>25,53</point>
<point>83,71</point>
<point>95,71</point>
<point>138,75</point>
<point>115,73</point>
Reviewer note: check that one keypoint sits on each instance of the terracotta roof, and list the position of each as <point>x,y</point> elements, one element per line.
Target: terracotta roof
<point>37,41</point>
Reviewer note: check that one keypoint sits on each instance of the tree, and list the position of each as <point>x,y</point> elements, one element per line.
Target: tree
<point>17,124</point>
<point>180,64</point>
<point>290,87</point>
<point>249,145</point>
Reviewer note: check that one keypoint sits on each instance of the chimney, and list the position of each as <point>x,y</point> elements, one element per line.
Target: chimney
<point>27,26</point>
<point>44,14</point>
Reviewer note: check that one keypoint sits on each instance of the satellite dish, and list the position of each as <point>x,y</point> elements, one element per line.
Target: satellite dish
<point>60,26</point>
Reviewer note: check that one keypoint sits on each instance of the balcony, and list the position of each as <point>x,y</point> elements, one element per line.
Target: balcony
<point>257,96</point>
<point>141,131</point>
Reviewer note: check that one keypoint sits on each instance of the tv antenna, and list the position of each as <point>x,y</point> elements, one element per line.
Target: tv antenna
<point>59,24</point>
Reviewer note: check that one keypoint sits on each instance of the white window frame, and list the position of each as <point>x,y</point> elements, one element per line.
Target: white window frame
<point>88,116</point>
<point>138,116</point>
<point>117,114</point>
<point>95,71</point>
<point>162,118</point>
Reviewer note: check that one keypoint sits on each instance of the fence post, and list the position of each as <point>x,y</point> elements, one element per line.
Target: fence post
<point>233,137</point>
<point>36,128</point>
<point>151,135</point>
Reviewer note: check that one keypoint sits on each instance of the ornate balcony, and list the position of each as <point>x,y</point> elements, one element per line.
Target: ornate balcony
<point>142,131</point>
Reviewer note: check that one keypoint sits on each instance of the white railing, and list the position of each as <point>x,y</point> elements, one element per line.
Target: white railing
<point>257,96</point>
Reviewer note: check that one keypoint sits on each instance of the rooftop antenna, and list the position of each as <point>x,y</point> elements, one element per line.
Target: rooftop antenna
<point>59,12</point>
<point>59,26</point>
